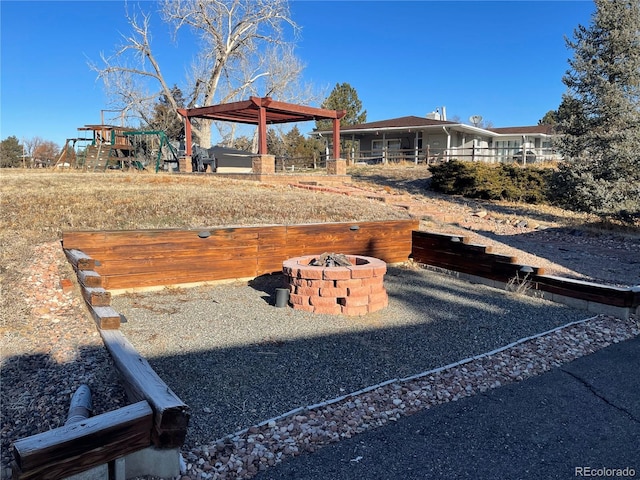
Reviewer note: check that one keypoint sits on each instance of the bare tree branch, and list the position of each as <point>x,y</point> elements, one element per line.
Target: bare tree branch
<point>242,49</point>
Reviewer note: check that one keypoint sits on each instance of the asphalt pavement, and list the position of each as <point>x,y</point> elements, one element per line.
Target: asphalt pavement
<point>580,420</point>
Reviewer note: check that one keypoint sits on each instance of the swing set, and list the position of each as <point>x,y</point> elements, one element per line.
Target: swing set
<point>111,147</point>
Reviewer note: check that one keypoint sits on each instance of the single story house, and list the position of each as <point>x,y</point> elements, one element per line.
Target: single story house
<point>429,139</point>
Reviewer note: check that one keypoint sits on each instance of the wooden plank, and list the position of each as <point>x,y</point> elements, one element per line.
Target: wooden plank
<point>89,278</point>
<point>590,291</point>
<point>183,274</point>
<point>87,241</point>
<point>438,236</point>
<point>141,382</point>
<point>79,240</point>
<point>96,296</point>
<point>272,241</point>
<point>77,447</point>
<point>168,261</point>
<point>144,251</point>
<point>79,260</point>
<point>105,317</point>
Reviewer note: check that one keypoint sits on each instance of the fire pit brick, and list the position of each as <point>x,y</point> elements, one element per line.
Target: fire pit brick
<point>356,289</point>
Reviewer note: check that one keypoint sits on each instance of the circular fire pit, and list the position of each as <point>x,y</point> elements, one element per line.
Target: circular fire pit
<point>356,289</point>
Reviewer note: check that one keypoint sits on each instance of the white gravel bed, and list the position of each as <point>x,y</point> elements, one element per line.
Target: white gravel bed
<point>249,451</point>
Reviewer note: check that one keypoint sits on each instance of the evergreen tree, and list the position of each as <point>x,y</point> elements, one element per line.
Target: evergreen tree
<point>275,145</point>
<point>164,117</point>
<point>343,97</point>
<point>599,119</point>
<point>10,153</point>
<point>550,118</point>
<point>300,147</point>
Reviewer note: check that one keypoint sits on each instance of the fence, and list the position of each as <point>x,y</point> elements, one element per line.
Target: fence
<point>427,156</point>
<point>147,258</point>
<point>472,154</point>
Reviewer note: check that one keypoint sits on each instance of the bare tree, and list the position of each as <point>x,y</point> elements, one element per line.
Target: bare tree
<point>242,50</point>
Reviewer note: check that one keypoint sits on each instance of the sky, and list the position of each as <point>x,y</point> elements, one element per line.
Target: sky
<point>503,60</point>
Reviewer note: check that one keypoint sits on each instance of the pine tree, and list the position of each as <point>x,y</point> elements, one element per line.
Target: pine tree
<point>164,117</point>
<point>343,97</point>
<point>550,118</point>
<point>10,153</point>
<point>599,119</point>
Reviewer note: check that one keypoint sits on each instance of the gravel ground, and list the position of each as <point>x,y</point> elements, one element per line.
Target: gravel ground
<point>235,359</point>
<point>265,383</point>
<point>240,363</point>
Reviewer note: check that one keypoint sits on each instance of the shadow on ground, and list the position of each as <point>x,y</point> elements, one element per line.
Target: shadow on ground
<point>243,361</point>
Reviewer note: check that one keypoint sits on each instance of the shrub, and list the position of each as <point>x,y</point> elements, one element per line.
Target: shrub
<point>491,182</point>
<point>575,186</point>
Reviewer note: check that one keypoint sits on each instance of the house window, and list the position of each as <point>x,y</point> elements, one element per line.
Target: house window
<point>507,148</point>
<point>392,144</point>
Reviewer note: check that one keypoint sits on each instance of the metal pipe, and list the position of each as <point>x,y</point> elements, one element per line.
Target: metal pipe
<point>81,406</point>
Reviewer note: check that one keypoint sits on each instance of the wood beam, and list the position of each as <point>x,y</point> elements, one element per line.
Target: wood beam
<point>187,131</point>
<point>336,138</point>
<point>141,382</point>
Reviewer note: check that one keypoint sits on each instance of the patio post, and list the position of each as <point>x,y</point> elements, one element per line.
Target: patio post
<point>336,138</point>
<point>262,130</point>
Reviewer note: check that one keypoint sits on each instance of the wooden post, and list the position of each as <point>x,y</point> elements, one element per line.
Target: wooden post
<point>141,382</point>
<point>262,130</point>
<point>336,138</point>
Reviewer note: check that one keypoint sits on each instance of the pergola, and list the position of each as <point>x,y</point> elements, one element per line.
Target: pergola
<point>263,111</point>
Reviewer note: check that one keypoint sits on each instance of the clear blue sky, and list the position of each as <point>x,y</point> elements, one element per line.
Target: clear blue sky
<point>503,60</point>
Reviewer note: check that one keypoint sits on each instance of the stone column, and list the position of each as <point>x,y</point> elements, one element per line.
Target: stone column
<point>185,164</point>
<point>337,166</point>
<point>264,164</point>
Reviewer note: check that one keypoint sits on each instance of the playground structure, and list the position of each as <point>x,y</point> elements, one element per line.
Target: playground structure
<point>112,147</point>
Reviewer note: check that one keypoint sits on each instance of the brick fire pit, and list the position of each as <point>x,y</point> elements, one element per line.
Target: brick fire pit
<point>356,289</point>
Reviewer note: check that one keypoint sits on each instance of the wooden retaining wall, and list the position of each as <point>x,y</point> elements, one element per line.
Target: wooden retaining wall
<point>143,258</point>
<point>454,252</point>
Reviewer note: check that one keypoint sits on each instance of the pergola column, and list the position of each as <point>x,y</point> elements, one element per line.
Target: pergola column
<point>262,130</point>
<point>184,165</point>
<point>336,138</point>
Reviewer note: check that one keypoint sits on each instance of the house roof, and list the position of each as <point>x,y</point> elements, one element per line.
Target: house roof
<point>544,129</point>
<point>400,122</point>
<point>422,123</point>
